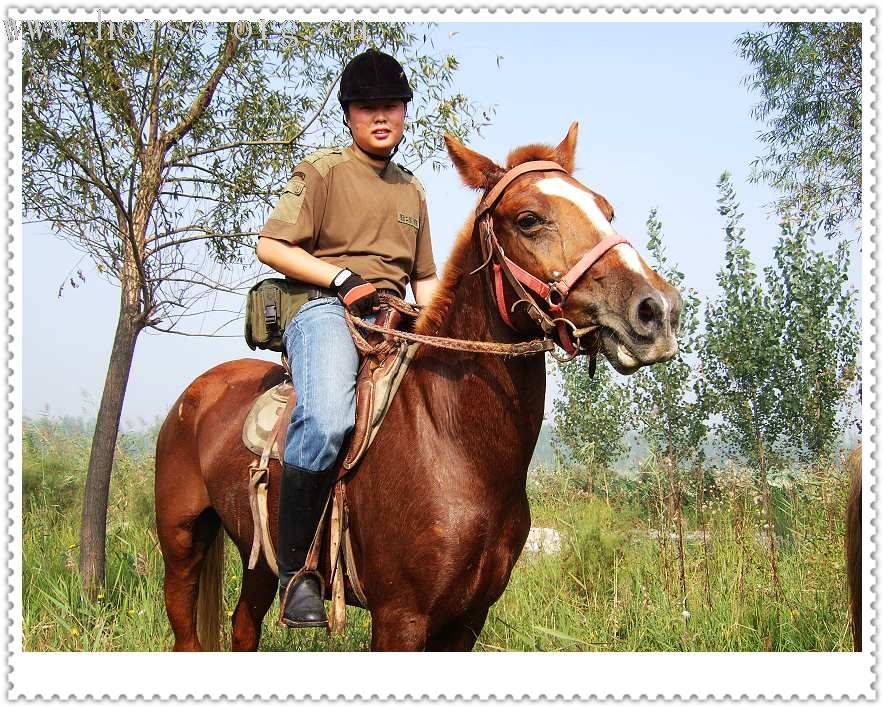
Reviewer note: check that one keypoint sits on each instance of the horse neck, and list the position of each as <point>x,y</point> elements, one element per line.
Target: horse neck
<point>473,313</point>
<point>517,385</point>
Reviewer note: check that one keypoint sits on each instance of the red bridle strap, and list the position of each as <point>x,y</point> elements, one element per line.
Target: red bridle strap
<point>564,285</point>
<point>497,190</point>
<point>518,276</point>
<point>588,261</point>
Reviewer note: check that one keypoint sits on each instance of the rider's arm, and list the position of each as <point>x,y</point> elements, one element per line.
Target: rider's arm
<point>423,289</point>
<point>295,262</point>
<point>293,227</point>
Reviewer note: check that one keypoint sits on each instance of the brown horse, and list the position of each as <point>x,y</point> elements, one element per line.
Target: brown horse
<point>853,546</point>
<point>438,507</point>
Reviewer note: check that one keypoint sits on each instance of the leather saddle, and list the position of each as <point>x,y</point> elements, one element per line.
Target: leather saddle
<point>377,381</point>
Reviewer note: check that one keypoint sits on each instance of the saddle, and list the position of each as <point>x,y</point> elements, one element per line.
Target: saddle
<point>377,381</point>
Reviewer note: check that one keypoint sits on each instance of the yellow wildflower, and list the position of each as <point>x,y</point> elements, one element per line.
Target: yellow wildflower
<point>75,632</point>
<point>229,614</point>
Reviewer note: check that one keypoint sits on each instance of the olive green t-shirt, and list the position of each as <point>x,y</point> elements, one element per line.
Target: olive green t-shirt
<point>341,210</point>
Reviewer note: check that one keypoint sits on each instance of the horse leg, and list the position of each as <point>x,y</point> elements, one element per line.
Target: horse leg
<point>396,629</point>
<point>258,588</point>
<point>460,634</point>
<point>184,545</point>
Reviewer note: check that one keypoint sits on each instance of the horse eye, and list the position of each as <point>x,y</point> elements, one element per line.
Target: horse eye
<point>527,220</point>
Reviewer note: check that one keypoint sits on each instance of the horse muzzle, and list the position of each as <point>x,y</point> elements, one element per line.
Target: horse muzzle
<point>644,333</point>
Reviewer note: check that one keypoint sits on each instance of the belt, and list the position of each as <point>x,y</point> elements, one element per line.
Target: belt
<point>316,292</point>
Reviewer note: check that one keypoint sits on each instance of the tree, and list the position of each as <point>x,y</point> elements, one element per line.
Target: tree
<point>156,150</point>
<point>743,363</point>
<point>821,337</point>
<point>590,415</point>
<point>669,415</point>
<point>809,75</point>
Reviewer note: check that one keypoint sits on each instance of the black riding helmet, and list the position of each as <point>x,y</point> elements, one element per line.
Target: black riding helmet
<point>369,76</point>
<point>373,75</point>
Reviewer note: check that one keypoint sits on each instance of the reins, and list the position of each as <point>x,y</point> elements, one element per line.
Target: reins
<point>531,347</point>
<point>555,327</point>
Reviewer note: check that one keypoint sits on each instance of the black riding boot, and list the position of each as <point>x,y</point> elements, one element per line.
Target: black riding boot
<point>301,498</point>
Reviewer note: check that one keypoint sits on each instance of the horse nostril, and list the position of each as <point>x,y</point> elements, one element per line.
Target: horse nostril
<point>649,314</point>
<point>646,311</point>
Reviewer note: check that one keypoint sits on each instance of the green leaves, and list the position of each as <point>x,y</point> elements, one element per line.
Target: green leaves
<point>171,138</point>
<point>821,338</point>
<point>670,416</point>
<point>741,358</point>
<point>809,76</point>
<point>591,415</point>
<point>780,355</point>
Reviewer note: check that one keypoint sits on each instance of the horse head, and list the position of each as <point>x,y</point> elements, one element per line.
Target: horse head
<point>557,236</point>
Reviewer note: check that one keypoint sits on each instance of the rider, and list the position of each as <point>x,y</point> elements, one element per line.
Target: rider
<point>353,224</point>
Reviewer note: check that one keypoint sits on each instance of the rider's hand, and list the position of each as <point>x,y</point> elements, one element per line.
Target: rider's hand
<point>358,295</point>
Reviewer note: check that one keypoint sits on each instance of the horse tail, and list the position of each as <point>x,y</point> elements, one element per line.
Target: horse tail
<point>208,602</point>
<point>853,546</point>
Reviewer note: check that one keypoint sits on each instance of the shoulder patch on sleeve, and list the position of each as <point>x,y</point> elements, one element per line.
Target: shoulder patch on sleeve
<point>323,160</point>
<point>296,184</point>
<point>288,208</point>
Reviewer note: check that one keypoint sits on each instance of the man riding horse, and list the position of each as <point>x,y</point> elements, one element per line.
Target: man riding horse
<point>351,223</point>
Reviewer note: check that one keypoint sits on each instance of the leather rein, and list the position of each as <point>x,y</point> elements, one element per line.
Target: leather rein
<point>554,326</point>
<point>554,292</point>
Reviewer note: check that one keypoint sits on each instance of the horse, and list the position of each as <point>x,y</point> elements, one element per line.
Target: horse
<point>437,506</point>
<point>853,546</point>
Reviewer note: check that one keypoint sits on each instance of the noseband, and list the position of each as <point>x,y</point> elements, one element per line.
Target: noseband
<point>553,292</point>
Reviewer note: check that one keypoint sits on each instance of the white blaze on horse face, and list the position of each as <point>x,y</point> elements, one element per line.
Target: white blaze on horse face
<point>585,201</point>
<point>630,258</point>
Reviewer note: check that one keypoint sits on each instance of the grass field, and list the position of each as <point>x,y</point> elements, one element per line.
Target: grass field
<point>615,585</point>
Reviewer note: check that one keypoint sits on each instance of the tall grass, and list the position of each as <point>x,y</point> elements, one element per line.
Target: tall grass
<point>615,584</point>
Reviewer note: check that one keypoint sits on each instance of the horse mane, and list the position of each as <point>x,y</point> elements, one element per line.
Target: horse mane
<point>433,315</point>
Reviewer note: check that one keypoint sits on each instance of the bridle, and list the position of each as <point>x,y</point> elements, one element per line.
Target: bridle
<point>554,292</point>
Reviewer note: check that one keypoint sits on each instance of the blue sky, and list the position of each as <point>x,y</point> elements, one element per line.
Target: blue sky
<point>662,114</point>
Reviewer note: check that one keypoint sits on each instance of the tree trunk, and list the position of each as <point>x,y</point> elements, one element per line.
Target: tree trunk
<point>701,510</point>
<point>93,526</point>
<point>769,517</point>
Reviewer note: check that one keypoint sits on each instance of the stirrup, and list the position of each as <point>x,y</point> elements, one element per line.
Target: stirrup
<point>289,588</point>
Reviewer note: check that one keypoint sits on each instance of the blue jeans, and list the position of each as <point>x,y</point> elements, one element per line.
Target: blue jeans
<point>324,362</point>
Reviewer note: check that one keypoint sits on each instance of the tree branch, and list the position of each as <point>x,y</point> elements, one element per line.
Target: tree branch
<point>88,170</point>
<point>246,143</point>
<point>154,110</point>
<point>205,95</point>
<point>208,236</point>
<point>102,49</point>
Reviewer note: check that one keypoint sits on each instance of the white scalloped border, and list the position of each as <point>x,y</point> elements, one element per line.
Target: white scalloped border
<point>416,677</point>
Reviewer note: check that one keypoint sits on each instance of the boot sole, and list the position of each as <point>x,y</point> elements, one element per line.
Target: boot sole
<point>307,624</point>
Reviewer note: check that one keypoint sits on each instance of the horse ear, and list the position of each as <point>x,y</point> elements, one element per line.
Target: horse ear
<point>564,153</point>
<point>476,170</point>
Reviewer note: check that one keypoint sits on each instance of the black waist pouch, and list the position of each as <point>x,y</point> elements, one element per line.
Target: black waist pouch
<point>270,306</point>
